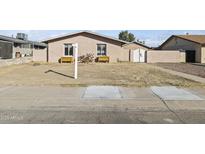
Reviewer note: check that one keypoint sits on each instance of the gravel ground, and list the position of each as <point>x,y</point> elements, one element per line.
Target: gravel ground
<point>194,69</point>
<point>120,74</point>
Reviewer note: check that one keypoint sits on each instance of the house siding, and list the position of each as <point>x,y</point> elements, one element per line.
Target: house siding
<point>178,43</point>
<point>87,44</point>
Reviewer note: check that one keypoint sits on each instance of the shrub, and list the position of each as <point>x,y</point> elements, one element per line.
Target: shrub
<point>88,58</point>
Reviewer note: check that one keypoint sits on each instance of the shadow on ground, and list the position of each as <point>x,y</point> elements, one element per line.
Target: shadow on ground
<point>52,71</point>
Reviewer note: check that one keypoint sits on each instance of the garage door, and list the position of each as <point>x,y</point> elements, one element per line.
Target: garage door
<point>139,55</point>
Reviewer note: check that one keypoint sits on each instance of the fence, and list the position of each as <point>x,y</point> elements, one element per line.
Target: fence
<point>165,56</point>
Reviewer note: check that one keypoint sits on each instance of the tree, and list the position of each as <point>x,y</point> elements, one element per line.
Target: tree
<point>126,36</point>
<point>131,37</point>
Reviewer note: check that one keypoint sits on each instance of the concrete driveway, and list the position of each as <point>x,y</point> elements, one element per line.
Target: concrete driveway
<point>24,104</point>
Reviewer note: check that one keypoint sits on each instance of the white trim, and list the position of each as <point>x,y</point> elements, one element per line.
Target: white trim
<point>64,50</point>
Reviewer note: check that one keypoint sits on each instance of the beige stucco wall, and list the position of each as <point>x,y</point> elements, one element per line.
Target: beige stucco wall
<point>182,57</point>
<point>203,55</point>
<point>40,55</point>
<point>177,44</point>
<point>87,44</point>
<point>165,56</point>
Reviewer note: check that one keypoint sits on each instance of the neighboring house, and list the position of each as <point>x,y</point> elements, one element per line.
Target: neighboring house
<point>89,42</point>
<point>192,45</point>
<point>20,46</point>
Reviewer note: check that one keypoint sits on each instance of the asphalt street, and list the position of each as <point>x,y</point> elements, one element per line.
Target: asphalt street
<point>82,105</point>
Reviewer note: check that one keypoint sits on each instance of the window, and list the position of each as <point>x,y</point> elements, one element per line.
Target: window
<point>101,49</point>
<point>68,50</point>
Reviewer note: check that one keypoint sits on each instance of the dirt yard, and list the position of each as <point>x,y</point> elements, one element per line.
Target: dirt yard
<point>122,74</point>
<point>194,69</point>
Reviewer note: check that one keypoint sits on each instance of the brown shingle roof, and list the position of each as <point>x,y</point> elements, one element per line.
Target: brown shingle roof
<point>194,38</point>
<point>88,32</point>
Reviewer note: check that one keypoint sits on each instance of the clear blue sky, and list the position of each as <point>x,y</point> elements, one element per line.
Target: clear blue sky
<point>151,37</point>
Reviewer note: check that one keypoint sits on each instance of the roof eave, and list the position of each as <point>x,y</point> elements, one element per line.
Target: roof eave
<point>180,38</point>
<point>145,46</point>
<point>160,47</point>
<point>76,33</point>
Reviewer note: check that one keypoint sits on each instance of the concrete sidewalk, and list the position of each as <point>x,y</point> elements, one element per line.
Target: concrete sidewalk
<point>34,97</point>
<point>68,105</point>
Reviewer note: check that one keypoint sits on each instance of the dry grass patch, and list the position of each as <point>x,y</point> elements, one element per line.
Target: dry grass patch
<point>123,74</point>
<point>194,69</point>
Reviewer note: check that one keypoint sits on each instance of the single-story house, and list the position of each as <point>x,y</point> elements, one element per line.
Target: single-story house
<point>90,42</point>
<point>192,45</point>
<point>20,46</point>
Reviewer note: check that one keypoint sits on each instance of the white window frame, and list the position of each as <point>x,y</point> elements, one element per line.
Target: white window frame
<point>105,49</point>
<point>68,51</point>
